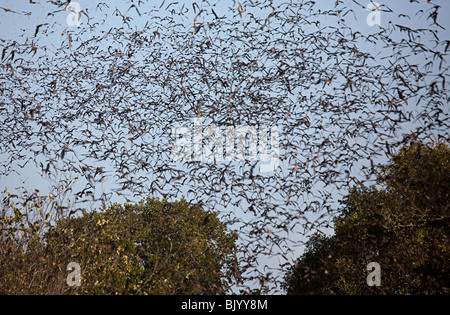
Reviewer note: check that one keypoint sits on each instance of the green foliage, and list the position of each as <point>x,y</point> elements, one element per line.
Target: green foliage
<point>25,268</point>
<point>404,226</point>
<point>154,247</point>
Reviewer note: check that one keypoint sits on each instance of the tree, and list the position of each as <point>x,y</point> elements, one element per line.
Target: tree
<point>25,267</point>
<point>403,225</point>
<point>154,247</point>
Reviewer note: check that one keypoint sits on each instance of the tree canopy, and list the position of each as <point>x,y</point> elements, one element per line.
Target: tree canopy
<point>154,247</point>
<point>403,225</point>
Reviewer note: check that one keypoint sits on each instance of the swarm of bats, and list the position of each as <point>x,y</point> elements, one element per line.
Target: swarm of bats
<point>101,103</point>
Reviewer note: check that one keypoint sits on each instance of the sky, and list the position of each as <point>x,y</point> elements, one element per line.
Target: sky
<point>18,21</point>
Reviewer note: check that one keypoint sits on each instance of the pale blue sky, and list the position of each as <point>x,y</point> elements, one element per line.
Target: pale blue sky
<point>18,22</point>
